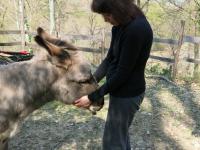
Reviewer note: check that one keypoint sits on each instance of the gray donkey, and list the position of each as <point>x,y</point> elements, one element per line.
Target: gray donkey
<point>59,73</point>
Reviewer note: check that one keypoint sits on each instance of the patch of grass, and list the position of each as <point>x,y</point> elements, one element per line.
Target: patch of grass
<point>157,69</point>
<point>190,79</point>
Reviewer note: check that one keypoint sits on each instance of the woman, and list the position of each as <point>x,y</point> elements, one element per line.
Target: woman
<point>123,67</point>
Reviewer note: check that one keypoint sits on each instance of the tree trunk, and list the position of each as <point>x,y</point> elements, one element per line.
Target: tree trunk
<point>52,16</point>
<point>177,51</point>
<point>21,9</point>
<point>17,14</point>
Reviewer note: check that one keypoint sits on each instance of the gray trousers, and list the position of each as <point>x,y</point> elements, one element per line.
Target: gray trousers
<point>120,115</point>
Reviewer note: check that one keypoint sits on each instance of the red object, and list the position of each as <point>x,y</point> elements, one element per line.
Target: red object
<point>24,52</point>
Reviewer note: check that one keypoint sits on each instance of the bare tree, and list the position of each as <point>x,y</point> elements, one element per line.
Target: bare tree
<point>21,8</point>
<point>52,16</point>
<point>3,17</point>
<point>92,31</point>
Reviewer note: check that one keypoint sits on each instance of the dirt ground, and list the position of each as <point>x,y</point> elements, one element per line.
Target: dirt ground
<point>169,119</point>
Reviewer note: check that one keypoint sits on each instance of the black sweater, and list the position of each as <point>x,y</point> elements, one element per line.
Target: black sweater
<point>125,62</point>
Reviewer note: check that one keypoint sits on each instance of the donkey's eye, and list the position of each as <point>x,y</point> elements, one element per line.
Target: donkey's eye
<point>84,81</point>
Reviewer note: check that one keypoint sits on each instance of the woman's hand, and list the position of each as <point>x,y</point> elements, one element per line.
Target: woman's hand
<point>83,102</point>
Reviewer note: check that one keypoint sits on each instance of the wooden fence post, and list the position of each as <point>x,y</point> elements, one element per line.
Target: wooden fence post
<point>177,51</point>
<point>196,72</point>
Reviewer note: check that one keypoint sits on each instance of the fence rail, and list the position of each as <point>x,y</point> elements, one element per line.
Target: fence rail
<point>11,44</point>
<point>188,39</point>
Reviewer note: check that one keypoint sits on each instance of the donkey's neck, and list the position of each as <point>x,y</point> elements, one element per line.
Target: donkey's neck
<point>26,85</point>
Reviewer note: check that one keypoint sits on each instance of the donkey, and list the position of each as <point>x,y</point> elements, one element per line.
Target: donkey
<point>55,74</point>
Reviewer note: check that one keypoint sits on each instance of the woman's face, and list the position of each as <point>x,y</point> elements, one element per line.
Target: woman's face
<point>109,18</point>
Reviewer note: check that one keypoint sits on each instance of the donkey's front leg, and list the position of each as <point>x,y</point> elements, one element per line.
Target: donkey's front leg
<point>4,144</point>
<point>4,133</point>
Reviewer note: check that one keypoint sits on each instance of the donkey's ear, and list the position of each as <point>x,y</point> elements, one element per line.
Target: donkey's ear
<point>42,43</point>
<point>58,42</point>
<point>52,49</point>
<point>40,31</point>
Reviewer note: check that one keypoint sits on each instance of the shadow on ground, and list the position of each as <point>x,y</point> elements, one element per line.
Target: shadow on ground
<point>53,129</point>
<point>169,119</point>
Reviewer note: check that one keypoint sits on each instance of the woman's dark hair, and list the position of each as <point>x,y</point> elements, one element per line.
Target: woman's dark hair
<point>121,10</point>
